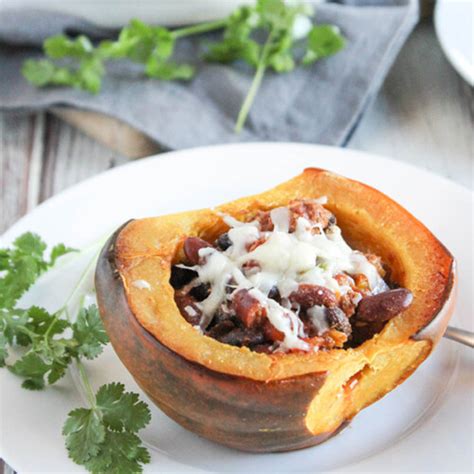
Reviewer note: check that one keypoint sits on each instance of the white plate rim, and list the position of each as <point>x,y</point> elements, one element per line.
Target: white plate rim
<point>68,193</point>
<point>71,190</point>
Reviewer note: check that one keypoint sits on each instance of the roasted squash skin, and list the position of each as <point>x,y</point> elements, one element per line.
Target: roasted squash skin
<point>280,402</point>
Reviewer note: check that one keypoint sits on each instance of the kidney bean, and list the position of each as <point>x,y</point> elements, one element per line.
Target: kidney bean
<point>192,245</point>
<point>183,300</point>
<point>308,295</point>
<point>338,320</point>
<point>247,308</point>
<point>384,306</point>
<point>271,332</point>
<point>181,276</point>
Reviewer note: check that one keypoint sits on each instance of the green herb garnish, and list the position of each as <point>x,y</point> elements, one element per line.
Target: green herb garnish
<point>263,35</point>
<point>103,436</point>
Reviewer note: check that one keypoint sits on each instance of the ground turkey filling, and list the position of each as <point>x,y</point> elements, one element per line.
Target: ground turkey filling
<point>284,282</point>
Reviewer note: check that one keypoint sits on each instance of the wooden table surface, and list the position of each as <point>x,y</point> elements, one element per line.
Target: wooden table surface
<point>423,115</point>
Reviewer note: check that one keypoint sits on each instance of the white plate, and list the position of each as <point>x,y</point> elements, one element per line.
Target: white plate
<point>454,23</point>
<point>426,424</point>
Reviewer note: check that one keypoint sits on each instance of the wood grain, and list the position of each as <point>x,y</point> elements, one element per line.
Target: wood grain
<point>40,156</point>
<point>21,140</point>
<point>70,156</point>
<point>109,131</point>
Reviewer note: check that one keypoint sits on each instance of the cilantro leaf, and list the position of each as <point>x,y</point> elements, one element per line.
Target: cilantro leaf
<point>122,410</point>
<point>236,43</point>
<point>58,251</point>
<point>168,71</point>
<point>102,437</point>
<point>40,321</point>
<point>89,332</point>
<point>30,244</point>
<point>12,326</point>
<point>136,42</point>
<point>60,46</point>
<point>84,434</point>
<point>121,453</point>
<point>323,41</point>
<point>23,263</point>
<point>43,72</point>
<point>283,23</point>
<point>33,368</point>
<point>56,373</point>
<point>89,75</point>
<point>233,49</point>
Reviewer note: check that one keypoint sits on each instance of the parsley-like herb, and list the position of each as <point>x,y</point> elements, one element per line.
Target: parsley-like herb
<point>22,264</point>
<point>263,35</point>
<point>103,436</point>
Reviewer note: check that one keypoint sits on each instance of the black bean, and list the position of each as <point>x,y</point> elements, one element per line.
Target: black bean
<point>224,242</point>
<point>243,337</point>
<point>274,294</point>
<point>200,292</point>
<point>221,315</point>
<point>181,276</point>
<point>220,329</point>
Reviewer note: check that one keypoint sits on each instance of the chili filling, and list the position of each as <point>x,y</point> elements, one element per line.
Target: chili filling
<point>286,281</point>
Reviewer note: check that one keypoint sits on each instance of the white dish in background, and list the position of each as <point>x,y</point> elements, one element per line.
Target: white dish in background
<point>116,13</point>
<point>424,425</point>
<point>454,24</point>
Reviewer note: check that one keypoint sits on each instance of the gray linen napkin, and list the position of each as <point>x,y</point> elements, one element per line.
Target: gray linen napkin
<point>320,104</point>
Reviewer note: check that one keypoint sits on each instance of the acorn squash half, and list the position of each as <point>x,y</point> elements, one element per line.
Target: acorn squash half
<point>270,402</point>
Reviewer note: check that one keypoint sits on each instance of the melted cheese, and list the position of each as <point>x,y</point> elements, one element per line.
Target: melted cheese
<point>284,260</point>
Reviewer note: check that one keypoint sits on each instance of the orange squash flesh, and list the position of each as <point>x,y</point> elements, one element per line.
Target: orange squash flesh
<point>270,402</point>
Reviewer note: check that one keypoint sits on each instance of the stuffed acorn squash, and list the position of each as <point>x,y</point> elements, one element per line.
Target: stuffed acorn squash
<point>267,323</point>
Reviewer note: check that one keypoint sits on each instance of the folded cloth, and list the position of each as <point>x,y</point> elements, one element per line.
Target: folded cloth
<point>321,103</point>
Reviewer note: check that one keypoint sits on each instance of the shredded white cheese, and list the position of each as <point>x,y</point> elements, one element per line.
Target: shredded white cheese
<point>284,260</point>
<point>190,311</point>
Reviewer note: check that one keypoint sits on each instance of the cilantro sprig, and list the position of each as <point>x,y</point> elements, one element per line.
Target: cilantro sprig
<point>266,35</point>
<point>103,436</point>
